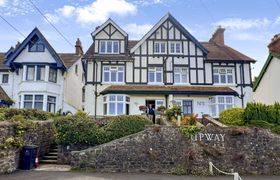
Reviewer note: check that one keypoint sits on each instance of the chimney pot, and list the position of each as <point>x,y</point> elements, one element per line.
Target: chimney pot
<point>218,36</point>
<point>79,48</point>
<point>18,44</point>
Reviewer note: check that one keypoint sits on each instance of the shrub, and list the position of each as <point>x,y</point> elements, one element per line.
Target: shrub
<point>256,111</point>
<point>31,114</point>
<point>173,112</point>
<point>189,120</point>
<point>233,116</point>
<point>124,125</point>
<point>161,109</point>
<point>261,124</point>
<point>276,129</point>
<point>76,129</point>
<point>189,131</point>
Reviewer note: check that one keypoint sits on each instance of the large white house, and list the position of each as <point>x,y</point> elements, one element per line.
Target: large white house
<point>34,75</point>
<point>167,66</point>
<point>267,86</point>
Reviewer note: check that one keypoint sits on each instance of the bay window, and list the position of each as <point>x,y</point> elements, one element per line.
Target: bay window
<point>51,102</point>
<point>113,74</point>
<point>155,75</point>
<point>219,104</point>
<point>116,104</point>
<point>33,101</point>
<point>223,75</point>
<point>180,75</point>
<point>109,47</point>
<point>160,48</point>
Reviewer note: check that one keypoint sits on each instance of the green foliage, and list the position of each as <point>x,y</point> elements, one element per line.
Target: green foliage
<point>189,120</point>
<point>188,131</point>
<point>161,109</point>
<point>76,129</point>
<point>82,129</point>
<point>276,129</point>
<point>30,114</point>
<point>261,124</point>
<point>124,125</point>
<point>2,117</point>
<point>233,116</point>
<point>173,112</point>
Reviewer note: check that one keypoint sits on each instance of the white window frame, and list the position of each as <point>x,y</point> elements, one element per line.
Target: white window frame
<point>162,50</point>
<point>214,102</point>
<point>107,101</point>
<point>33,100</point>
<point>106,45</point>
<point>5,74</point>
<point>223,71</point>
<point>174,50</point>
<point>180,73</point>
<point>155,71</point>
<point>111,69</point>
<point>159,102</point>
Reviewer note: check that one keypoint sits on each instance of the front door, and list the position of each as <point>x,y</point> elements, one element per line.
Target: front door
<point>187,107</point>
<point>152,102</point>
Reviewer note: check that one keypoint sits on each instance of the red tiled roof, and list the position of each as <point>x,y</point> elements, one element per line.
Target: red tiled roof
<point>2,59</point>
<point>223,52</point>
<point>169,89</point>
<point>69,58</point>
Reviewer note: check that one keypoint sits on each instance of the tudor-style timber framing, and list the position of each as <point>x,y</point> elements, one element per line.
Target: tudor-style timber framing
<point>168,45</point>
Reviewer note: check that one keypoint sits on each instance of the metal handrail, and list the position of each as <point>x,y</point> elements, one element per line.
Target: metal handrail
<point>235,175</point>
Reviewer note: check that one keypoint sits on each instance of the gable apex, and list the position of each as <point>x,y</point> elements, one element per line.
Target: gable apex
<point>109,21</point>
<point>35,32</point>
<point>178,25</point>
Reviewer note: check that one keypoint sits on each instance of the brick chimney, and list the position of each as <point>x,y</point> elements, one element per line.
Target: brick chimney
<point>79,48</point>
<point>274,45</point>
<point>218,36</point>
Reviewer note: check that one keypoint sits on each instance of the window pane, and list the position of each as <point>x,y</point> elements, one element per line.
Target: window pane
<point>177,78</point>
<point>53,75</point>
<point>38,105</point>
<point>172,48</point>
<point>102,48</point>
<point>216,78</point>
<point>221,100</point>
<point>230,78</point>
<point>116,47</point>
<point>162,47</point>
<point>40,73</point>
<point>112,98</point>
<point>27,105</point>
<point>109,47</point>
<point>120,108</point>
<point>229,100</point>
<point>39,97</point>
<point>30,73</point>
<point>156,47</point>
<point>158,77</point>
<point>28,97</point>
<point>213,110</point>
<point>178,47</point>
<point>151,77</point>
<point>120,76</point>
<point>5,78</point>
<point>216,71</point>
<point>106,76</point>
<point>119,98</point>
<point>113,76</point>
<point>40,47</point>
<point>184,78</point>
<point>221,108</point>
<point>223,78</point>
<point>112,107</point>
<point>107,68</point>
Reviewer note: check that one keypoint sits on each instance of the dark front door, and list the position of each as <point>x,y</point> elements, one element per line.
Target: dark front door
<point>152,102</point>
<point>187,107</point>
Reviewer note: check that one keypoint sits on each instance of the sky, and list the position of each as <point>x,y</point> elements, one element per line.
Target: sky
<point>249,24</point>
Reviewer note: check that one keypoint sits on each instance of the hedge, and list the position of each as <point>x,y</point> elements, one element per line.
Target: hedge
<point>83,130</point>
<point>30,114</point>
<point>233,116</point>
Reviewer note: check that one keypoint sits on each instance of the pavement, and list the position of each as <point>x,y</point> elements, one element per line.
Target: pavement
<point>60,175</point>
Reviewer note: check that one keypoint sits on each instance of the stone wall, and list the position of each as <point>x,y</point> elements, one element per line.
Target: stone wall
<point>42,136</point>
<point>164,150</point>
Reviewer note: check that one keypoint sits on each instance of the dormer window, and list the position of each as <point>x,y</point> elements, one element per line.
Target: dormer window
<point>36,45</point>
<point>159,48</point>
<point>109,47</point>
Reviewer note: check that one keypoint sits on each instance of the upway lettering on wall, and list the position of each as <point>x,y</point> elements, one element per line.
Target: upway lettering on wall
<point>208,137</point>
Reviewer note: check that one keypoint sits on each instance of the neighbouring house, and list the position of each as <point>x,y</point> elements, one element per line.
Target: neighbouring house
<point>266,88</point>
<point>167,66</point>
<point>34,75</point>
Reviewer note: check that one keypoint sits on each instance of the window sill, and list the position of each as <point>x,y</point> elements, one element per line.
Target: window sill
<point>223,84</point>
<point>113,83</point>
<point>151,83</point>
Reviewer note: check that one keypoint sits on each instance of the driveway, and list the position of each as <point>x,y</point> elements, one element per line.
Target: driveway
<point>50,175</point>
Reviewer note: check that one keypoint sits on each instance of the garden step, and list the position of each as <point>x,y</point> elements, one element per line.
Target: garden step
<point>54,150</point>
<point>44,161</point>
<point>47,157</point>
<point>52,154</point>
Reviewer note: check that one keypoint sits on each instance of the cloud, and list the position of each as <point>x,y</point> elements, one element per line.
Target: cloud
<point>100,10</point>
<point>2,3</point>
<point>239,23</point>
<point>245,36</point>
<point>66,10</point>
<point>151,2</point>
<point>96,12</point>
<point>136,31</point>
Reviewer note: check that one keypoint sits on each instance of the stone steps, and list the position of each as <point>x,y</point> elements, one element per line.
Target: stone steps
<point>51,157</point>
